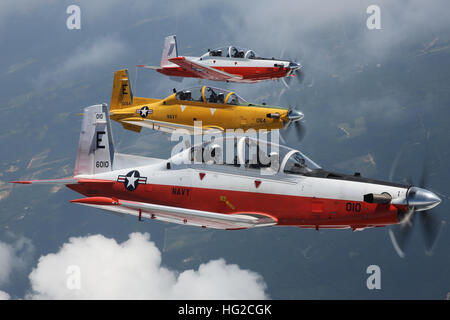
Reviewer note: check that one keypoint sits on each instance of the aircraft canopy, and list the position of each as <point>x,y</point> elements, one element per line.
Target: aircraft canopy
<point>232,52</point>
<point>247,153</point>
<point>210,95</point>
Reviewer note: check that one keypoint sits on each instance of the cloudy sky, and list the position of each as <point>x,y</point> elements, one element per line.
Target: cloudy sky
<point>369,97</point>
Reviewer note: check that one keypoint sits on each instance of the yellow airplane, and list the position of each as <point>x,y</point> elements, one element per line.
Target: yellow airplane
<point>217,109</point>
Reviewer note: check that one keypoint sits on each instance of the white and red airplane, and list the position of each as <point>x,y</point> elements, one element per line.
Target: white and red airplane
<point>247,191</point>
<point>230,64</point>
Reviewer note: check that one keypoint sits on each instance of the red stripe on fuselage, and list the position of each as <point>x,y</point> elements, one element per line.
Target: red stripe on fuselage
<point>253,73</point>
<point>289,210</point>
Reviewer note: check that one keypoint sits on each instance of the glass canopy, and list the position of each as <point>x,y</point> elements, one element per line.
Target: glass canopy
<point>231,52</point>
<point>247,153</point>
<point>210,95</point>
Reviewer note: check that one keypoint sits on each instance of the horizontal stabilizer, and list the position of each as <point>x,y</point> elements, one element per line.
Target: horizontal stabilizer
<point>49,181</point>
<point>64,181</point>
<point>148,67</point>
<point>131,127</point>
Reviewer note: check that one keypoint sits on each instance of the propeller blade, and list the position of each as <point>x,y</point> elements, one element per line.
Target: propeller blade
<point>286,81</point>
<point>424,176</point>
<point>395,165</point>
<point>300,75</point>
<point>300,130</point>
<point>401,233</point>
<point>409,181</point>
<point>431,225</point>
<point>283,140</point>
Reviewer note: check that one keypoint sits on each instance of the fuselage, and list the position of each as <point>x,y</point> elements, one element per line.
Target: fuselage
<point>251,70</point>
<point>212,115</point>
<point>291,199</point>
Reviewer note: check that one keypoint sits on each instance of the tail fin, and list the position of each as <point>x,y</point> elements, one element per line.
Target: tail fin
<point>96,146</point>
<point>122,96</point>
<point>169,50</point>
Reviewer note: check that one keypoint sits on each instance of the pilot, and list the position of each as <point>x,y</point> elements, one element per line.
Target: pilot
<point>220,98</point>
<point>187,95</point>
<point>213,96</point>
<point>250,54</point>
<point>232,100</point>
<point>233,52</point>
<point>300,161</point>
<point>180,95</point>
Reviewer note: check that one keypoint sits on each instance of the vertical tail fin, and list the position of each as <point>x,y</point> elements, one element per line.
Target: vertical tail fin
<point>96,146</point>
<point>169,50</point>
<point>122,96</point>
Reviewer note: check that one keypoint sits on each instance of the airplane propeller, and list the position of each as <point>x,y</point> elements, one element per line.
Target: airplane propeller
<point>296,71</point>
<point>295,124</point>
<point>419,201</point>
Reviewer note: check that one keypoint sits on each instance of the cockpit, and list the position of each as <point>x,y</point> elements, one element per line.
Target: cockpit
<point>210,95</point>
<point>246,153</point>
<point>231,52</point>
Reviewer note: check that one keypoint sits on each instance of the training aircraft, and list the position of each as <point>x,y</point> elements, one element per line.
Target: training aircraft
<point>217,109</point>
<point>230,64</point>
<point>224,184</point>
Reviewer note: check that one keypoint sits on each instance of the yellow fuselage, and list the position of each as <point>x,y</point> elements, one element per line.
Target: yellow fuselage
<point>212,115</point>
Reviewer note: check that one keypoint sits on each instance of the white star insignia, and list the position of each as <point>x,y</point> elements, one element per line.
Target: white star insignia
<point>131,180</point>
<point>144,112</point>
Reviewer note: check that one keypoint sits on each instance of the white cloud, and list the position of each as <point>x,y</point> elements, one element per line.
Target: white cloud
<point>6,261</point>
<point>14,256</point>
<point>218,280</point>
<point>133,270</point>
<point>4,295</point>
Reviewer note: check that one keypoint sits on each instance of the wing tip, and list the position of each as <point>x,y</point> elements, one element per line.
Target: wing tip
<point>21,182</point>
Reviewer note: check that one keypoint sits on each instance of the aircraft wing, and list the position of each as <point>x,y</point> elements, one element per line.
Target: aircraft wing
<point>64,181</point>
<point>180,215</point>
<point>204,71</point>
<point>169,126</point>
